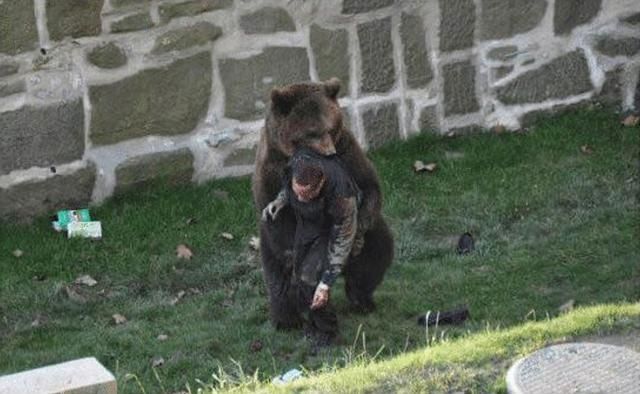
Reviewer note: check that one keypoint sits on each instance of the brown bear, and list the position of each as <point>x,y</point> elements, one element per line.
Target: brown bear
<point>308,115</point>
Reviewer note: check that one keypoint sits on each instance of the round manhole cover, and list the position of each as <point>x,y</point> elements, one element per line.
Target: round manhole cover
<point>576,368</point>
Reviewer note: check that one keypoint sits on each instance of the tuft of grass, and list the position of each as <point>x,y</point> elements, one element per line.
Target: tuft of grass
<point>550,222</point>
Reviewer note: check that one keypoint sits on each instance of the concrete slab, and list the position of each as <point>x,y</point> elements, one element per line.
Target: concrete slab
<point>576,368</point>
<point>82,376</point>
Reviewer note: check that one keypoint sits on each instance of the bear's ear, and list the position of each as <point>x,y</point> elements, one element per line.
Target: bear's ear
<point>282,101</point>
<point>332,87</point>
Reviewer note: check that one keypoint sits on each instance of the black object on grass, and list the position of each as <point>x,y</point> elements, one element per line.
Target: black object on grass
<point>465,244</point>
<point>455,316</point>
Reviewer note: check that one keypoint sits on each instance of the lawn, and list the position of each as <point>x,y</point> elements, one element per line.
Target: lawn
<point>552,223</point>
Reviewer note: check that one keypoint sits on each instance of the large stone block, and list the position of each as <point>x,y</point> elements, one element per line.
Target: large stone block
<point>376,52</point>
<point>73,18</point>
<point>18,32</point>
<point>506,18</point>
<point>611,91</point>
<point>381,125</point>
<point>611,46</point>
<point>565,76</point>
<point>41,136</point>
<point>457,24</point>
<point>429,119</point>
<point>39,197</point>
<point>15,87</point>
<point>503,53</point>
<point>187,37</point>
<point>247,82</point>
<point>163,101</point>
<point>133,22</point>
<point>571,13</point>
<point>169,11</point>
<point>459,88</point>
<point>107,56</point>
<point>331,51</point>
<point>416,58</point>
<point>172,167</point>
<point>241,157</point>
<point>359,6</point>
<point>127,3</point>
<point>267,20</point>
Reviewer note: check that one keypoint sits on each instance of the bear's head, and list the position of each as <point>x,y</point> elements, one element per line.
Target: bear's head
<point>306,114</point>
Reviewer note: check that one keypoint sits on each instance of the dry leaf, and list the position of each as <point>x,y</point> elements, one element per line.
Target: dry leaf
<point>35,323</point>
<point>254,243</point>
<point>631,121</point>
<point>419,166</point>
<point>567,306</point>
<point>431,167</point>
<point>85,280</point>
<point>586,149</point>
<point>177,299</point>
<point>183,252</point>
<point>227,236</point>
<point>162,337</point>
<point>157,362</point>
<point>18,253</point>
<point>498,129</point>
<point>119,319</point>
<point>256,346</point>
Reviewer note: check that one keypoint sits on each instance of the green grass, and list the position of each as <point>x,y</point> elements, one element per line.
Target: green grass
<point>551,224</point>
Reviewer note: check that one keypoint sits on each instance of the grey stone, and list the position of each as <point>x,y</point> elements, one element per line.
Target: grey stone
<point>167,167</point>
<point>9,88</point>
<point>267,20</point>
<point>33,198</point>
<point>241,157</point>
<point>107,56</point>
<point>169,11</point>
<point>610,46</point>
<point>576,368</point>
<point>611,91</point>
<point>381,125</point>
<point>331,51</point>
<point>501,72</point>
<point>506,18</point>
<point>459,88</point>
<point>565,76</point>
<point>465,130</point>
<point>503,53</point>
<point>247,82</point>
<point>360,6</point>
<point>429,119</point>
<point>571,13</point>
<point>162,101</point>
<point>457,21</point>
<point>633,19</point>
<point>187,37</point>
<point>73,18</point>
<point>529,61</point>
<point>8,68</point>
<point>133,22</point>
<point>18,32</point>
<point>127,3</point>
<point>376,52</point>
<point>41,136</point>
<point>416,58</point>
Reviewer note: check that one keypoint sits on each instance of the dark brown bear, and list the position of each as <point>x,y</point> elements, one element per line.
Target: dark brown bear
<point>308,115</point>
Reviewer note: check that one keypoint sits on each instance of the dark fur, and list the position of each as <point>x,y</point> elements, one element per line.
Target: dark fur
<point>298,112</point>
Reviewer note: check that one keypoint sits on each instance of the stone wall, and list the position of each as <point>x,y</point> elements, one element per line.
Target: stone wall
<point>100,96</point>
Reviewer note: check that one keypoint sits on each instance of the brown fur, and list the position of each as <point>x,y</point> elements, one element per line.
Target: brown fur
<point>309,115</point>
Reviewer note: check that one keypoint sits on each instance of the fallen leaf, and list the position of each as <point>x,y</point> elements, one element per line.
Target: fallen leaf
<point>74,295</point>
<point>254,243</point>
<point>256,346</point>
<point>39,277</point>
<point>35,323</point>
<point>183,252</point>
<point>431,167</point>
<point>119,319</point>
<point>162,337</point>
<point>567,306</point>
<point>85,280</point>
<point>498,129</point>
<point>177,299</point>
<point>18,253</point>
<point>157,362</point>
<point>631,120</point>
<point>191,221</point>
<point>586,149</point>
<point>227,236</point>
<point>419,166</point>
